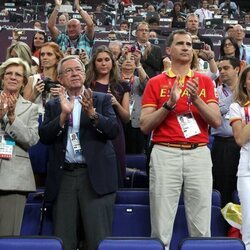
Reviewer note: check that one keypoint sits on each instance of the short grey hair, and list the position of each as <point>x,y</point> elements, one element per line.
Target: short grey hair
<point>16,61</point>
<point>114,43</point>
<point>67,58</point>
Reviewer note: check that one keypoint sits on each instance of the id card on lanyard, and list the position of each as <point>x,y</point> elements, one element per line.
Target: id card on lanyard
<point>6,146</point>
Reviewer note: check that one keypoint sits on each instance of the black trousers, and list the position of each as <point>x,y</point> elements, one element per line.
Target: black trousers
<point>134,139</point>
<point>225,156</point>
<point>76,203</point>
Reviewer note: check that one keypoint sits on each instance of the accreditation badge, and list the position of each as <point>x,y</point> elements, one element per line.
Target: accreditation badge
<point>75,142</point>
<point>6,147</point>
<point>188,124</point>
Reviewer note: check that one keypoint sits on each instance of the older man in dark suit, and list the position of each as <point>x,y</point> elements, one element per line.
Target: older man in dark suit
<point>82,177</point>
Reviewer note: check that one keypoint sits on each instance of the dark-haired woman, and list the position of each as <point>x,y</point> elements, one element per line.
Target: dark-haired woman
<point>103,76</point>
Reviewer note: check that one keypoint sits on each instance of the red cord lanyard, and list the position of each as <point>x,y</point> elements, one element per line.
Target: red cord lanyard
<point>246,114</point>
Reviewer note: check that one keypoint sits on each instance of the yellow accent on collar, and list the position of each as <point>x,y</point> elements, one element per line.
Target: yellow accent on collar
<point>171,74</point>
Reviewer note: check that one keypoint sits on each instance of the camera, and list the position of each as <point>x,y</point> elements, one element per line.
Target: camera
<point>198,45</point>
<point>49,84</point>
<point>74,51</point>
<point>20,32</point>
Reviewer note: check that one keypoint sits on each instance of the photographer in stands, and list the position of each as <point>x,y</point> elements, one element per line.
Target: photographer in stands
<point>34,91</point>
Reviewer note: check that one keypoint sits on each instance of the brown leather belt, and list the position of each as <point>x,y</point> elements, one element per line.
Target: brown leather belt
<point>185,146</point>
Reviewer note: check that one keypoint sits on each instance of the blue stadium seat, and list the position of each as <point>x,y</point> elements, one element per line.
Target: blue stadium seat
<point>131,220</point>
<point>36,197</point>
<point>141,196</point>
<point>216,198</point>
<point>132,196</point>
<point>212,243</point>
<point>235,197</point>
<point>131,244</point>
<point>30,243</point>
<point>219,226</point>
<point>180,231</point>
<point>33,223</point>
<point>138,161</point>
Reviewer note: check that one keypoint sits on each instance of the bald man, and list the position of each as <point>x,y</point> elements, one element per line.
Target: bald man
<point>239,35</point>
<point>74,37</point>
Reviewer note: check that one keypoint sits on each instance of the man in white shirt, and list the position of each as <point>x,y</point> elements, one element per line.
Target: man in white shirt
<point>204,12</point>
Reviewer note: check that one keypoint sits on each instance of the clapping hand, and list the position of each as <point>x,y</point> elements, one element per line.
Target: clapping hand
<point>87,102</point>
<point>58,2</point>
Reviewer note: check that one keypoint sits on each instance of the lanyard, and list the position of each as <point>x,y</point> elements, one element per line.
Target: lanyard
<point>224,91</point>
<point>246,114</point>
<point>130,79</point>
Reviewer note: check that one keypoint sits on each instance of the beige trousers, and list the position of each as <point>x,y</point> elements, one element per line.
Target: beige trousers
<point>172,171</point>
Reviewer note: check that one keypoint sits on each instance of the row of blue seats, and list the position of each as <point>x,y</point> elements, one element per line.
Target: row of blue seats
<point>131,210</point>
<point>53,243</point>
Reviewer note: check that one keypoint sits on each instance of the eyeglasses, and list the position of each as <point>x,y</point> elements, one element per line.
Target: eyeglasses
<point>143,30</point>
<point>69,71</point>
<point>16,74</point>
<point>228,44</point>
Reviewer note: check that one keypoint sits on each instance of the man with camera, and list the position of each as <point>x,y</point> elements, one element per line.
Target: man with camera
<point>74,37</point>
<point>178,105</point>
<point>192,26</point>
<point>205,59</point>
<point>230,8</point>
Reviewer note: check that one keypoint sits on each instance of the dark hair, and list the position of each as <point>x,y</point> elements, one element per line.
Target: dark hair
<point>92,74</point>
<point>124,22</point>
<point>153,20</point>
<point>38,21</point>
<point>178,3</point>
<point>175,32</point>
<point>235,44</point>
<point>235,62</point>
<point>33,48</point>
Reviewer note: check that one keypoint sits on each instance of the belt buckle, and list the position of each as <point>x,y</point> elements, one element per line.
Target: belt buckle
<point>194,145</point>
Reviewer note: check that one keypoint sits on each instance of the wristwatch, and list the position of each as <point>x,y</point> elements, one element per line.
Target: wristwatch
<point>167,107</point>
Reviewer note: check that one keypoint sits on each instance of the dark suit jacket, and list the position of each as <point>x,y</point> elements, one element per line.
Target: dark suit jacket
<point>95,143</point>
<point>153,64</point>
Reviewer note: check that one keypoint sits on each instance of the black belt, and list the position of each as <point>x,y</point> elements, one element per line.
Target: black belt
<point>71,166</point>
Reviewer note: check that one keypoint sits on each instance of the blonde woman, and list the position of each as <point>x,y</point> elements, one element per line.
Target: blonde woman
<point>18,132</point>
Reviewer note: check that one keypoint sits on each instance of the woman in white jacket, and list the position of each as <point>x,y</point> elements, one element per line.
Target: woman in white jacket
<point>240,122</point>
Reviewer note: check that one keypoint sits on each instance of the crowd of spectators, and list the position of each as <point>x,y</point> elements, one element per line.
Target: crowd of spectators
<point>120,64</point>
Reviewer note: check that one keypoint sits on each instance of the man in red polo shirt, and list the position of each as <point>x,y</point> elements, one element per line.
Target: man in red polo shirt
<point>178,105</point>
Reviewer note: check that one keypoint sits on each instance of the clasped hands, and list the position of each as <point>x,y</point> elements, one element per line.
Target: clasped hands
<point>7,106</point>
<point>85,98</point>
<point>192,86</point>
